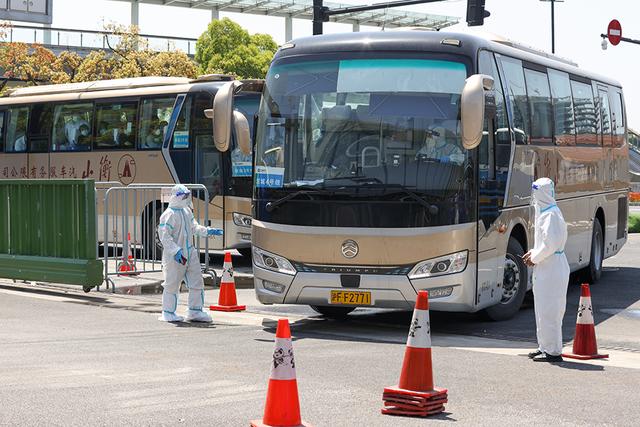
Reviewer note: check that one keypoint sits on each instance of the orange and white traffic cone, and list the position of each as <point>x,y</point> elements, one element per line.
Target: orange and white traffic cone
<point>227,300</point>
<point>282,408</point>
<point>584,343</point>
<point>415,394</point>
<point>128,264</point>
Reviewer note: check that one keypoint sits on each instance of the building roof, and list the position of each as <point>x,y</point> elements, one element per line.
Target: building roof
<point>303,9</point>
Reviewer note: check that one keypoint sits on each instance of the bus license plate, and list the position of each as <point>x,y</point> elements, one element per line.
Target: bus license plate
<point>350,298</point>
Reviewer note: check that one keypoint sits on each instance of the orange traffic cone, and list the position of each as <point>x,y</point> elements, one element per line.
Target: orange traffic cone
<point>227,300</point>
<point>128,264</point>
<point>584,343</point>
<point>415,394</point>
<point>282,408</point>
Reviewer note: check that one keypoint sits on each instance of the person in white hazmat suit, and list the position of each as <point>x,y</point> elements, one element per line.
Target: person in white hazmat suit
<point>550,271</point>
<point>180,259</point>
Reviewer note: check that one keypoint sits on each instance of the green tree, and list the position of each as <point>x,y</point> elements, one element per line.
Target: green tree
<point>226,47</point>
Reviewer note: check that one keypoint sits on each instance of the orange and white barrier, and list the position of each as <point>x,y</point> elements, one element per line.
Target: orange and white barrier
<point>584,343</point>
<point>227,299</point>
<point>415,394</point>
<point>282,408</point>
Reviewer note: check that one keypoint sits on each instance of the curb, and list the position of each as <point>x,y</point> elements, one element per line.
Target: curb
<point>155,287</point>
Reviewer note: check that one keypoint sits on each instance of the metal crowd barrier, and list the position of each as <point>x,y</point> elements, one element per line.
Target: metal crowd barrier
<point>128,233</point>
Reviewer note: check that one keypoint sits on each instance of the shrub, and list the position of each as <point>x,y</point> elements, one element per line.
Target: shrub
<point>634,223</point>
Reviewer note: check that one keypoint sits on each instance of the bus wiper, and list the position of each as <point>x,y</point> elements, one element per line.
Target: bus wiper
<point>432,209</point>
<point>271,206</point>
<point>359,179</point>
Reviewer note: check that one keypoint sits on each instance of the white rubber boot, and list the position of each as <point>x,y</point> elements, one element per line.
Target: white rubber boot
<point>198,316</point>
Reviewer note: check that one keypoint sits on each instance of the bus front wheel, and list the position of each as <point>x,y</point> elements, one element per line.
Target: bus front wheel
<point>152,244</point>
<point>514,284</point>
<point>332,312</point>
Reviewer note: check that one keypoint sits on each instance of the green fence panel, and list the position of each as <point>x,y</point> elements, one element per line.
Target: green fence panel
<point>48,231</point>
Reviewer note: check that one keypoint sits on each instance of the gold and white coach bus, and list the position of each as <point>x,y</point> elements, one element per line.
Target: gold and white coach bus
<point>133,131</point>
<point>390,162</point>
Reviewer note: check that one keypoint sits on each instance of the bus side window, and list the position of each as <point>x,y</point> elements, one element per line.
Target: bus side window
<point>17,130</point>
<point>605,116</point>
<point>154,120</point>
<point>181,138</point>
<point>72,127</point>
<point>565,129</point>
<point>40,128</point>
<point>584,108</point>
<point>617,116</point>
<point>116,125</point>
<point>240,162</point>
<point>539,106</point>
<point>517,95</point>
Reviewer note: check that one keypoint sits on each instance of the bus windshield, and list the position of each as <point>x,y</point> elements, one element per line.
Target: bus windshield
<point>384,130</point>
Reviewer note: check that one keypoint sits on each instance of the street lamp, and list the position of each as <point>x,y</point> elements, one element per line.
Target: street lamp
<point>553,27</point>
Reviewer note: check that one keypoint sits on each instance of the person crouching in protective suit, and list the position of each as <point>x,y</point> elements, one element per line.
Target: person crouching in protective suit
<point>180,259</point>
<point>550,271</point>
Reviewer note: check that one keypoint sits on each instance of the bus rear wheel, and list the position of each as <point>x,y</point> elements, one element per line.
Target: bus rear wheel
<point>332,312</point>
<point>514,284</point>
<point>592,273</point>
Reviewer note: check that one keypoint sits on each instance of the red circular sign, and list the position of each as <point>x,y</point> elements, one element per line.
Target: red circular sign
<point>614,32</point>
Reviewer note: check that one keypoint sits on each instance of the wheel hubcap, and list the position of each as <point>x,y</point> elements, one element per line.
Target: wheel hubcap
<point>511,281</point>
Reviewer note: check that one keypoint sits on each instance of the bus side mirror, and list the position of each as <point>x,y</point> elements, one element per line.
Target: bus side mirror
<point>243,137</point>
<point>477,103</point>
<point>223,115</point>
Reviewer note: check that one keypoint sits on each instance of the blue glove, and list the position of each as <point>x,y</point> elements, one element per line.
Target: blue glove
<point>445,159</point>
<point>179,258</point>
<point>214,232</point>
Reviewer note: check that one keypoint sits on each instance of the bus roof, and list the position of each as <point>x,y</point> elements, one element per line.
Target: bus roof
<point>431,41</point>
<point>137,86</point>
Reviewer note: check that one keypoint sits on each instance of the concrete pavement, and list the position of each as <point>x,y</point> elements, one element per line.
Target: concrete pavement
<point>69,358</point>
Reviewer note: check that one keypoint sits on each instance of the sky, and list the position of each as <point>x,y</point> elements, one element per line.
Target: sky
<point>579,24</point>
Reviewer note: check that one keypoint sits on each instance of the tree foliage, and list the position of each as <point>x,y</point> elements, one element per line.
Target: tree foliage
<point>129,55</point>
<point>226,47</point>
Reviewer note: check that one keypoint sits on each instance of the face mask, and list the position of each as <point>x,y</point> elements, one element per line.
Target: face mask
<point>84,133</point>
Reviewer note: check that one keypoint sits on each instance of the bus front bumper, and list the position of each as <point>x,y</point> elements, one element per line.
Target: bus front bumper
<point>454,292</point>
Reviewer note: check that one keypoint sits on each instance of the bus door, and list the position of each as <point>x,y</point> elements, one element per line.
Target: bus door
<point>14,161</point>
<point>178,144</point>
<point>207,162</point>
<point>494,154</point>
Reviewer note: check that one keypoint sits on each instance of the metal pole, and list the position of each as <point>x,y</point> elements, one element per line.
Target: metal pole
<point>318,17</point>
<point>553,34</point>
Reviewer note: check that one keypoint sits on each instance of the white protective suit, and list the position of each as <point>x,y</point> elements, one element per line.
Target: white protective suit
<point>176,230</point>
<point>551,270</point>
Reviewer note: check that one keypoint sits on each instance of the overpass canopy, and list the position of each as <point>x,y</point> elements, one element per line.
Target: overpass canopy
<point>303,9</point>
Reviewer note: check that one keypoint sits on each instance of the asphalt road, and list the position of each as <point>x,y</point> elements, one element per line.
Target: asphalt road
<point>69,358</point>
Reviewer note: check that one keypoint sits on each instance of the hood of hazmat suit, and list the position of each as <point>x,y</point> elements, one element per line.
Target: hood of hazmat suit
<point>551,270</point>
<point>176,231</point>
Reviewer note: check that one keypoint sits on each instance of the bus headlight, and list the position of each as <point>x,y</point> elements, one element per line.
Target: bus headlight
<point>272,262</point>
<point>241,220</point>
<point>448,264</point>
